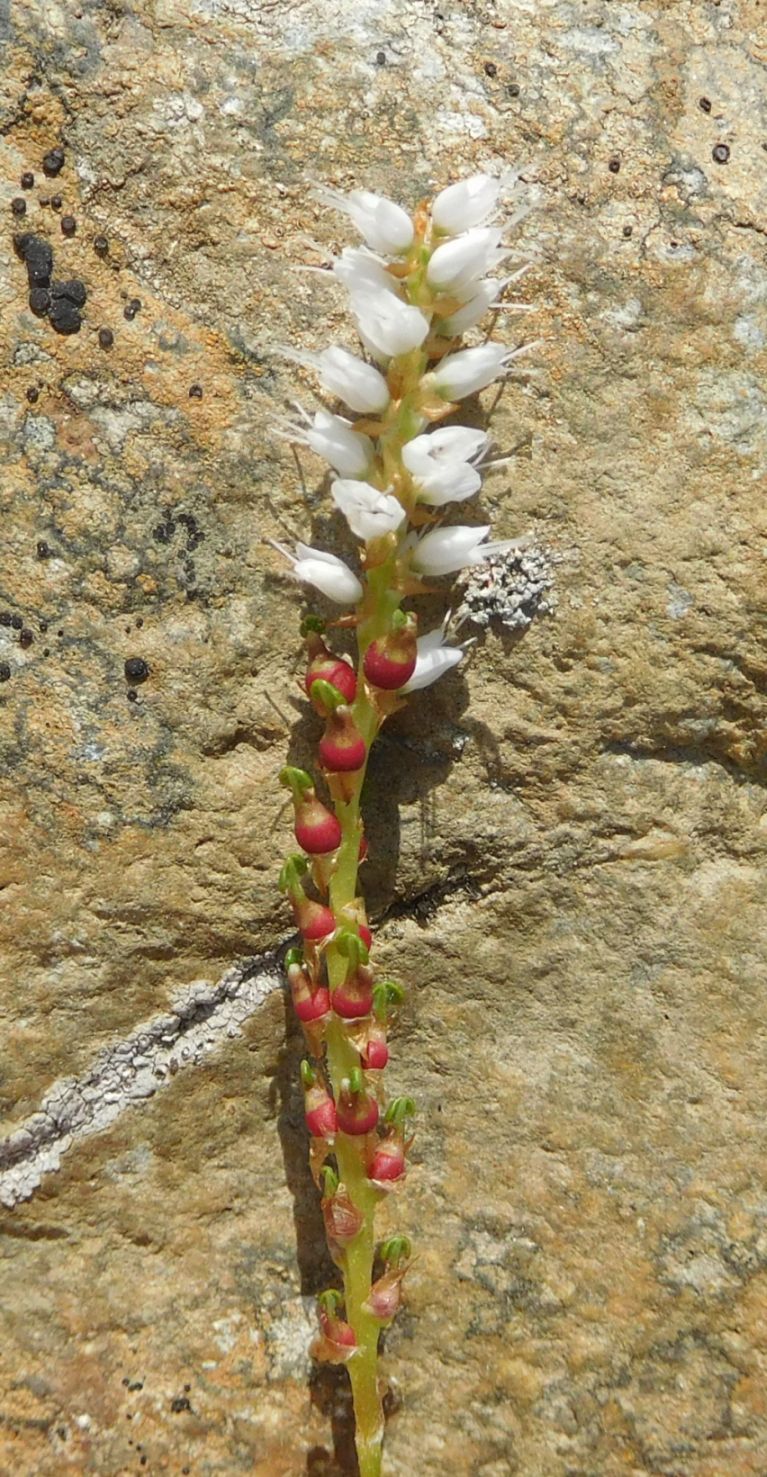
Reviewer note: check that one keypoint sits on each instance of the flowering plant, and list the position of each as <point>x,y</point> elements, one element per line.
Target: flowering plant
<point>415,286</point>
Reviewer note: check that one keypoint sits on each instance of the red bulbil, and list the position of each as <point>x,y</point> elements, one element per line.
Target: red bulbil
<point>325,666</point>
<point>342,747</point>
<point>387,1161</point>
<point>309,1004</point>
<point>314,920</point>
<point>320,1112</point>
<point>354,998</point>
<point>386,671</point>
<point>366,936</point>
<point>357,1113</point>
<point>317,830</point>
<point>390,660</point>
<point>376,1051</point>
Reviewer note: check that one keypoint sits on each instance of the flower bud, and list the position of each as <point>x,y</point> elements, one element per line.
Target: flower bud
<point>390,660</point>
<point>319,1108</point>
<point>342,748</point>
<point>357,1111</point>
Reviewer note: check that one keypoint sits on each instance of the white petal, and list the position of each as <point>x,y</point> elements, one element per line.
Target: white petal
<point>391,326</point>
<point>445,550</point>
<point>348,451</point>
<point>466,317</point>
<point>361,385</point>
<point>368,512</point>
<point>328,574</point>
<point>443,447</point>
<point>360,271</point>
<point>385,226</point>
<point>470,370</point>
<point>448,485</point>
<point>465,259</point>
<point>467,203</point>
<point>432,662</point>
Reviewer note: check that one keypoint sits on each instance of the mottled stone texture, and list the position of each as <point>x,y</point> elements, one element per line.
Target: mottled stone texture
<point>567,836</point>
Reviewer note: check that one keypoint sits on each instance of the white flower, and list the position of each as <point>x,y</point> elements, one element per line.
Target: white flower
<point>341,373</point>
<point>433,659</point>
<point>471,369</point>
<point>448,485</point>
<point>388,326</point>
<point>467,203</point>
<point>462,262</point>
<point>328,574</point>
<point>360,271</point>
<point>368,512</point>
<point>445,550</point>
<point>385,226</point>
<point>445,446</point>
<point>332,437</point>
<point>483,297</point>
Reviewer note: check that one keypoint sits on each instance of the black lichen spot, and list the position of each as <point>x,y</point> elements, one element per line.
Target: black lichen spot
<point>139,622</point>
<point>43,626</point>
<point>43,552</point>
<point>5,672</point>
<point>195,392</point>
<point>56,202</point>
<point>25,637</point>
<point>19,205</point>
<point>491,69</point>
<point>380,58</point>
<point>720,153</point>
<point>27,180</point>
<point>37,257</point>
<point>68,225</point>
<point>53,163</point>
<point>64,316</point>
<point>132,695</point>
<point>16,622</point>
<point>179,1403</point>
<point>136,669</point>
<point>106,338</point>
<point>704,104</point>
<point>39,301</point>
<point>614,166</point>
<point>513,89</point>
<point>33,394</point>
<point>628,231</point>
<point>5,617</point>
<point>100,245</point>
<point>129,312</point>
<point>73,290</point>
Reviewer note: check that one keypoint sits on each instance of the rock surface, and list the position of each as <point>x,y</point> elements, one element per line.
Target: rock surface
<point>568,838</point>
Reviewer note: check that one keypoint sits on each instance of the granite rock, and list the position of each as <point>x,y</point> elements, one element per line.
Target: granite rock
<point>567,839</point>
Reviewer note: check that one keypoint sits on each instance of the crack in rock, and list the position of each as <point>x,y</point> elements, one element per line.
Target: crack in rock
<point>198,1020</point>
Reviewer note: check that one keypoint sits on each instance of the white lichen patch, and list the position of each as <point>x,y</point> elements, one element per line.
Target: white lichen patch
<point>509,589</point>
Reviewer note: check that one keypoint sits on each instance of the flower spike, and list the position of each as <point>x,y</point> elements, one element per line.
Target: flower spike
<point>415,285</point>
